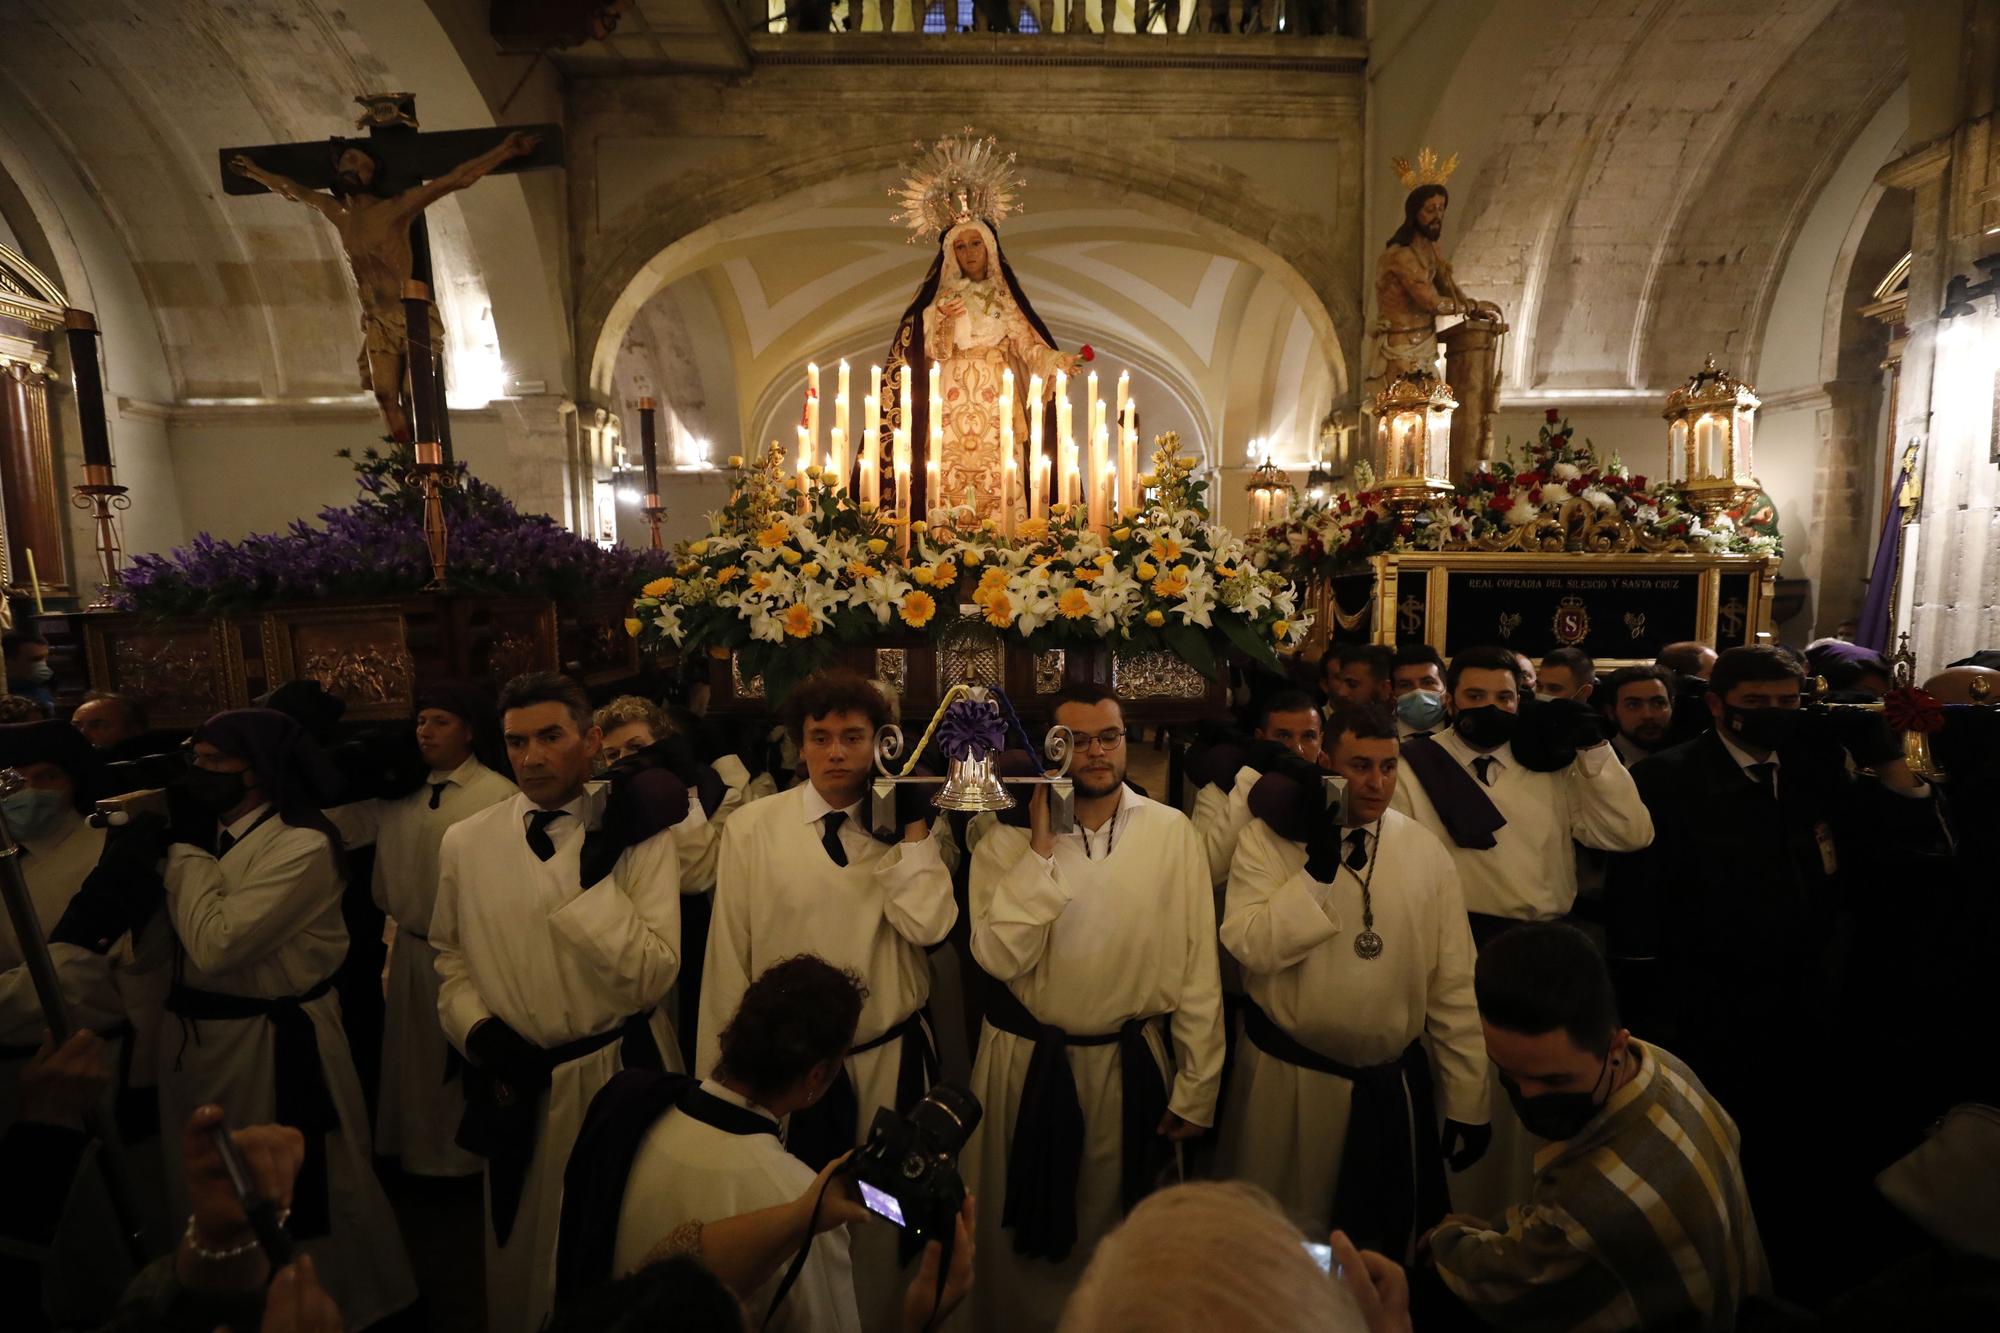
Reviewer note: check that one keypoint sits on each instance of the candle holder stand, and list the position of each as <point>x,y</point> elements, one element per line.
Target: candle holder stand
<point>106,500</point>
<point>655,512</point>
<point>433,476</point>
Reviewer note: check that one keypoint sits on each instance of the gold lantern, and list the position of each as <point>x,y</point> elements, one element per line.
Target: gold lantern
<point>1413,439</point>
<point>1270,491</point>
<point>1710,422</point>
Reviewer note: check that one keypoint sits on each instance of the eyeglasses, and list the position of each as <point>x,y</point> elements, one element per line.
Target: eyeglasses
<point>1106,741</point>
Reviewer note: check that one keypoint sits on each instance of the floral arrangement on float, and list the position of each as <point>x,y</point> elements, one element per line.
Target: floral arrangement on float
<point>793,568</point>
<point>1558,495</point>
<point>377,547</point>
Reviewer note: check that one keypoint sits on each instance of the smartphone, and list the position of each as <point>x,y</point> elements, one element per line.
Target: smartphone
<point>1322,1254</point>
<point>261,1212</point>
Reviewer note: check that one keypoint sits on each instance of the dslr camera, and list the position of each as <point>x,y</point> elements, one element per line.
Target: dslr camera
<point>907,1171</point>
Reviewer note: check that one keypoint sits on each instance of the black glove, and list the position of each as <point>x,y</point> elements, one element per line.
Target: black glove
<point>122,891</point>
<point>1464,1144</point>
<point>508,1056</point>
<point>1551,731</point>
<point>675,753</point>
<point>1861,732</point>
<point>1323,849</point>
<point>188,820</point>
<point>645,798</point>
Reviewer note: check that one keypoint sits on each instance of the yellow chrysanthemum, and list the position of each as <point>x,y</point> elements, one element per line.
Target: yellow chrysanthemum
<point>1172,583</point>
<point>946,573</point>
<point>917,609</point>
<point>789,556</point>
<point>1156,618</point>
<point>1089,573</point>
<point>1166,550</point>
<point>798,620</point>
<point>699,548</point>
<point>632,627</point>
<point>1032,529</point>
<point>1280,628</point>
<point>999,610</point>
<point>728,573</point>
<point>658,587</point>
<point>1227,571</point>
<point>761,581</point>
<point>771,538</point>
<point>810,569</point>
<point>994,577</point>
<point>1074,604</point>
<point>861,569</point>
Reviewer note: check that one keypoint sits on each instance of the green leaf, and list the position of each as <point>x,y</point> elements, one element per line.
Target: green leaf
<point>1245,636</point>
<point>1191,646</point>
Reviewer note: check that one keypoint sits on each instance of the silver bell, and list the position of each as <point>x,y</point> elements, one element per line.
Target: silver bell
<point>972,784</point>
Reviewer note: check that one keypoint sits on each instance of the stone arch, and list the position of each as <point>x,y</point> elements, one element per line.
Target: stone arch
<point>659,239</point>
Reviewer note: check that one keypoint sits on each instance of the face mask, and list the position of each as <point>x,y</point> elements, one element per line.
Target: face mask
<point>212,791</point>
<point>1761,728</point>
<point>1556,1115</point>
<point>1486,728</point>
<point>1421,709</point>
<point>41,673</point>
<point>1544,696</point>
<point>33,811</point>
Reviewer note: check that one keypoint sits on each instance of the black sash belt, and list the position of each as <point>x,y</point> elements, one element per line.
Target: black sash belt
<point>1046,1157</point>
<point>1392,1185</point>
<point>301,1098</point>
<point>1487,928</point>
<point>832,1125</point>
<point>503,1119</point>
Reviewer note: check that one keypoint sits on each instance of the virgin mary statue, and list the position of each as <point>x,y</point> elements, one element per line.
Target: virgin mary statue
<point>972,319</point>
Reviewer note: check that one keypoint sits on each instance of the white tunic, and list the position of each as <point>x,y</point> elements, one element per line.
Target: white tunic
<point>1115,925</point>
<point>518,939</point>
<point>777,894</point>
<point>419,1110</point>
<point>1220,818</point>
<point>264,922</point>
<point>687,1170</point>
<point>701,848</point>
<point>1285,1127</point>
<point>1530,871</point>
<point>54,868</point>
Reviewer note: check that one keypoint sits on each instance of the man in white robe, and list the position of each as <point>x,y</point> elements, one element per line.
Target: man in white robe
<point>1104,942</point>
<point>1510,830</point>
<point>253,1020</point>
<point>422,1100</point>
<point>801,873</point>
<point>1222,806</point>
<point>554,959</point>
<point>1355,948</point>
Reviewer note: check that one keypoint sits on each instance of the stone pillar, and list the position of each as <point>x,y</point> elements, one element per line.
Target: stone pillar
<point>1472,368</point>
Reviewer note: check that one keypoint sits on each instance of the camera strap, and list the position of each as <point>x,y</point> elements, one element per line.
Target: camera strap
<point>799,1260</point>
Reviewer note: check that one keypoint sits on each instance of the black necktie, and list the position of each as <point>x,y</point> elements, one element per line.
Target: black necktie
<point>1484,763</point>
<point>1765,775</point>
<point>1357,849</point>
<point>830,839</point>
<point>539,841</point>
<point>437,794</point>
<point>224,843</point>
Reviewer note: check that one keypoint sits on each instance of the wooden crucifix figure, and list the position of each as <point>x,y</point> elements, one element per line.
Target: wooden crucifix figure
<point>374,192</point>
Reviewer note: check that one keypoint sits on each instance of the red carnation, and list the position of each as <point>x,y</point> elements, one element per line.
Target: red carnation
<point>1554,416</point>
<point>1086,354</point>
<point>1576,485</point>
<point>1638,483</point>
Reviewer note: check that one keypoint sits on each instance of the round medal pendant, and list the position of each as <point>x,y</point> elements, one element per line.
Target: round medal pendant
<point>1368,945</point>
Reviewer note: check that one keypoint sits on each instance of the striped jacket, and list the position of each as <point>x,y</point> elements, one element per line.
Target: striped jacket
<point>1641,1221</point>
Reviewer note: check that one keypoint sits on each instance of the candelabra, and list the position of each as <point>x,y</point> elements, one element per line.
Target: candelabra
<point>101,494</point>
<point>433,476</point>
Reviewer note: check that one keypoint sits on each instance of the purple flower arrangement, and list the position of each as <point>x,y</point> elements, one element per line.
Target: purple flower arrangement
<point>375,547</point>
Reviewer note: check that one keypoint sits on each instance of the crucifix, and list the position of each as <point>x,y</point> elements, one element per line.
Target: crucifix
<point>374,192</point>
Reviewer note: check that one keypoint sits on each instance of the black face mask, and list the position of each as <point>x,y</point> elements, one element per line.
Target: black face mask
<point>212,791</point>
<point>1761,728</point>
<point>1556,1115</point>
<point>1486,728</point>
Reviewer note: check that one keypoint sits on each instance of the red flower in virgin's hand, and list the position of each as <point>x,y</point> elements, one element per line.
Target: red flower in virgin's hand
<point>1555,415</point>
<point>1086,353</point>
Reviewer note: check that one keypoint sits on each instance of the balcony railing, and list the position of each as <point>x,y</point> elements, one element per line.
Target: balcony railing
<point>1166,18</point>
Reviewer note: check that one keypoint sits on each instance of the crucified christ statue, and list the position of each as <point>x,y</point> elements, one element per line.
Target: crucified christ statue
<point>374,230</point>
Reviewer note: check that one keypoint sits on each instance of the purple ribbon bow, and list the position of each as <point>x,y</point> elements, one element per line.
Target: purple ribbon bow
<point>970,730</point>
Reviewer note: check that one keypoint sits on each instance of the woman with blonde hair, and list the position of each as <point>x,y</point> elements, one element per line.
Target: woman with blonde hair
<point>1221,1255</point>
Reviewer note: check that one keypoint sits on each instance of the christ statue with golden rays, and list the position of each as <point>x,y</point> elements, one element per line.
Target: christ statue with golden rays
<point>971,318</point>
<point>1413,282</point>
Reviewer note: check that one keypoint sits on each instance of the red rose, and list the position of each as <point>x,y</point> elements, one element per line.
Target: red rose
<point>1554,416</point>
<point>1576,485</point>
<point>1638,483</point>
<point>1086,353</point>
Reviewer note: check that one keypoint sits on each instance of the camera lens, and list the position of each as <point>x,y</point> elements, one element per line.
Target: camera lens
<point>945,1118</point>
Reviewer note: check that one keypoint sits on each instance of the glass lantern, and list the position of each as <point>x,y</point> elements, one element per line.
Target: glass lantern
<point>1270,490</point>
<point>1710,427</point>
<point>1413,438</point>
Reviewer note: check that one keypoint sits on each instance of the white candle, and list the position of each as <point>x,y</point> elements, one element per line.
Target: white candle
<point>1093,407</point>
<point>1124,397</point>
<point>805,461</point>
<point>1008,467</point>
<point>812,407</point>
<point>1100,466</point>
<point>1041,482</point>
<point>933,484</point>
<point>1064,439</point>
<point>836,451</point>
<point>1128,458</point>
<point>871,448</point>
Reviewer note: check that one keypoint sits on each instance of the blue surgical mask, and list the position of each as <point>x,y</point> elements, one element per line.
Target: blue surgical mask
<point>33,811</point>
<point>1422,710</point>
<point>41,673</point>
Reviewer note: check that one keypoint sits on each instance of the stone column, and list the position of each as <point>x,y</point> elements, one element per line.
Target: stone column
<point>1472,368</point>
